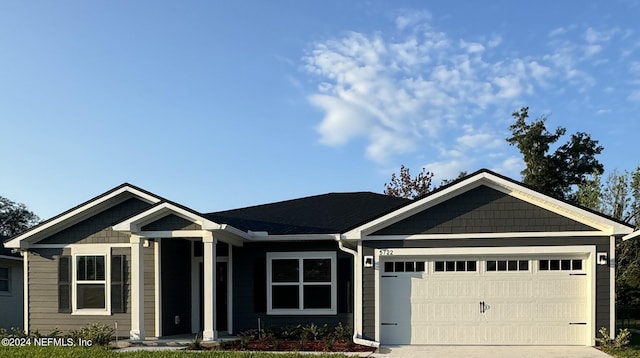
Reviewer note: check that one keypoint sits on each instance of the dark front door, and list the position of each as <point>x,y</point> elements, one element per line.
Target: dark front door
<point>221,296</point>
<point>176,286</point>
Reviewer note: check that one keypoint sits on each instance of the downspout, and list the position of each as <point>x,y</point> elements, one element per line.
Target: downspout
<point>357,305</point>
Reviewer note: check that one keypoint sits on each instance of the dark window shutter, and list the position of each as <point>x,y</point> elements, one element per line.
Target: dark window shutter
<point>118,279</point>
<point>64,284</point>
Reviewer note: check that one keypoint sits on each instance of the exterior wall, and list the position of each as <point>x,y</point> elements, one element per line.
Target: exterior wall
<point>602,271</point>
<point>483,210</point>
<point>149,293</point>
<point>250,291</point>
<point>43,297</point>
<point>11,313</point>
<point>97,228</point>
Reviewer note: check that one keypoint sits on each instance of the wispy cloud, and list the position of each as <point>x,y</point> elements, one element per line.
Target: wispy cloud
<point>420,89</point>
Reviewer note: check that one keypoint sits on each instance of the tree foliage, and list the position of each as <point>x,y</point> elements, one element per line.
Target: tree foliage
<point>619,197</point>
<point>15,217</point>
<point>405,186</point>
<point>554,173</point>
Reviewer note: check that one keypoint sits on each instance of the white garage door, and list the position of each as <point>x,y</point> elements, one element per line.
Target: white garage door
<point>484,301</point>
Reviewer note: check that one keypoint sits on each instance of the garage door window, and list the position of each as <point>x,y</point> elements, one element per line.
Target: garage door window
<point>507,265</point>
<point>455,266</point>
<point>560,265</point>
<point>404,266</point>
<point>301,282</point>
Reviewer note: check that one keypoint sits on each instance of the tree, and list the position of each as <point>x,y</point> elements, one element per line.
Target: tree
<point>556,173</point>
<point>619,197</point>
<point>404,186</point>
<point>15,217</point>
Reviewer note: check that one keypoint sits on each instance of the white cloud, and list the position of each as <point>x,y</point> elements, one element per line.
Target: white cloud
<point>418,89</point>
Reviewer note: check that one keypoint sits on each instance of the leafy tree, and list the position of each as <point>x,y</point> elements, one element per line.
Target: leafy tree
<point>619,197</point>
<point>15,217</point>
<point>558,172</point>
<point>405,186</point>
<point>462,174</point>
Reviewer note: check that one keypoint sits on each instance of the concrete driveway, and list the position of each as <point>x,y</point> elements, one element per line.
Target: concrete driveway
<point>489,351</point>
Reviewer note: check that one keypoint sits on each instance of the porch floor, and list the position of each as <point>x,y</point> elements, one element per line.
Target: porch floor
<point>179,340</point>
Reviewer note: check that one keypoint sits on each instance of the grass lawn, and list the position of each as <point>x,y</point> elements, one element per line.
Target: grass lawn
<point>99,352</point>
<point>629,352</point>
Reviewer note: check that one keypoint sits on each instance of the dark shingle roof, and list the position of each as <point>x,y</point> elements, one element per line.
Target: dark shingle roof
<point>321,214</point>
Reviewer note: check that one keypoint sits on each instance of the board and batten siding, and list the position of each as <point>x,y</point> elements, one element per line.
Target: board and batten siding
<point>602,271</point>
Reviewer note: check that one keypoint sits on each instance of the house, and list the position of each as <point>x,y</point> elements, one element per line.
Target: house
<point>11,298</point>
<point>483,260</point>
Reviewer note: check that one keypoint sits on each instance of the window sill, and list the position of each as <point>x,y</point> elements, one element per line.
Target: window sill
<point>91,312</point>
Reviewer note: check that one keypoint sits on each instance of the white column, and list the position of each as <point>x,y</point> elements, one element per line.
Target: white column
<point>209,243</point>
<point>137,288</point>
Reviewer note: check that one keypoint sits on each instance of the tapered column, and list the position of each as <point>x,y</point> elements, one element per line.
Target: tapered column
<point>137,289</point>
<point>209,243</point>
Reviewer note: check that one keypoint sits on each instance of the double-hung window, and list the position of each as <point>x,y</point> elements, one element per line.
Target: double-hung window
<point>91,283</point>
<point>301,283</point>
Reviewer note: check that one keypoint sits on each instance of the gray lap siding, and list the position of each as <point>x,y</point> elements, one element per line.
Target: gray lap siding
<point>602,271</point>
<point>249,286</point>
<point>43,295</point>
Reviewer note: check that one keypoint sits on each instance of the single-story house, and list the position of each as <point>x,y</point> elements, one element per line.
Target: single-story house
<point>11,279</point>
<point>482,260</point>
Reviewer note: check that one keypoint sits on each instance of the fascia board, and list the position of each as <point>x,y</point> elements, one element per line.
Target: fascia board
<point>69,218</point>
<point>606,226</point>
<point>632,235</point>
<point>159,211</point>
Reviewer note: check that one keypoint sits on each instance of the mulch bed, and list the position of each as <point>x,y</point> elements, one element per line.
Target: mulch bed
<point>293,346</point>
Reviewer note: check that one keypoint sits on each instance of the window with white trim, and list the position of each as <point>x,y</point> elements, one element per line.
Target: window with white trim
<point>5,282</point>
<point>301,283</point>
<point>91,283</point>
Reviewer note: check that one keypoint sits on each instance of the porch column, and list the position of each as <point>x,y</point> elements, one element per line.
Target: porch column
<point>209,255</point>
<point>137,288</point>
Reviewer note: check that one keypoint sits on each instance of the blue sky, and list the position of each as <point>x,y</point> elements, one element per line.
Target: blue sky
<point>225,104</point>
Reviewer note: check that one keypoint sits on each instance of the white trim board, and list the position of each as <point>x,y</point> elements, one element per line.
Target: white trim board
<point>601,224</point>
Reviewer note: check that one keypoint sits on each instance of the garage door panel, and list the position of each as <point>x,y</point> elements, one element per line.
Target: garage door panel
<point>525,307</point>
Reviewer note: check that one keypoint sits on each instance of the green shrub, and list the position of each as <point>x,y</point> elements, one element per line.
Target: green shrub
<point>98,333</point>
<point>622,339</point>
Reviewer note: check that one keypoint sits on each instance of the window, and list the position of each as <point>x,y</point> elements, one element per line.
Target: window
<point>404,266</point>
<point>91,284</point>
<point>4,280</point>
<point>455,266</point>
<point>560,265</point>
<point>507,265</point>
<point>301,283</point>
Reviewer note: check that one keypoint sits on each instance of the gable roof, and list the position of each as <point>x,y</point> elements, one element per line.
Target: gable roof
<point>603,224</point>
<point>80,212</point>
<point>320,214</point>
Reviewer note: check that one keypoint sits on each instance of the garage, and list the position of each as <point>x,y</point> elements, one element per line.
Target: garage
<point>526,299</point>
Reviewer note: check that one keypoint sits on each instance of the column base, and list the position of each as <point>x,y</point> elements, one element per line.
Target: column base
<point>136,335</point>
<point>209,336</point>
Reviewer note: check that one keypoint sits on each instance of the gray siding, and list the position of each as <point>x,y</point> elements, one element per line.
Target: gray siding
<point>171,222</point>
<point>97,228</point>
<point>11,303</point>
<point>249,286</point>
<point>43,297</point>
<point>602,272</point>
<point>483,210</point>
